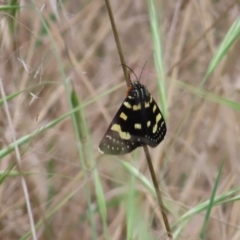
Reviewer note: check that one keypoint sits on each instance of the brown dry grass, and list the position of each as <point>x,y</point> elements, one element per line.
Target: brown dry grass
<point>196,142</point>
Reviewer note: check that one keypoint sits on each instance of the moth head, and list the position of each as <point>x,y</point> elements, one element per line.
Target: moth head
<point>137,86</point>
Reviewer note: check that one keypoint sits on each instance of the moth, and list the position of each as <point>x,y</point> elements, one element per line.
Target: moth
<point>138,122</point>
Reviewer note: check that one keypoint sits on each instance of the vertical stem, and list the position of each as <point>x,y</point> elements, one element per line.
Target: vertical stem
<point>159,196</point>
<point>154,179</point>
<point>119,48</point>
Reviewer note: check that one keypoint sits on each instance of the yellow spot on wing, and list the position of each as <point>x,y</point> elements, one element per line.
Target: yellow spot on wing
<point>123,135</point>
<point>158,117</point>
<point>127,104</point>
<point>136,107</point>
<point>123,116</point>
<point>147,104</point>
<point>148,123</point>
<point>154,108</point>
<point>137,126</point>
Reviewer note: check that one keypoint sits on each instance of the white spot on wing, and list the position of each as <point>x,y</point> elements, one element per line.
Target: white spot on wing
<point>100,151</point>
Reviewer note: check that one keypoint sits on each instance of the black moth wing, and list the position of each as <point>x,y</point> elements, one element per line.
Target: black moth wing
<point>156,126</point>
<point>138,122</point>
<point>122,141</point>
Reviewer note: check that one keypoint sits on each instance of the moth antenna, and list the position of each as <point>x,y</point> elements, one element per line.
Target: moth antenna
<point>130,70</point>
<point>142,71</point>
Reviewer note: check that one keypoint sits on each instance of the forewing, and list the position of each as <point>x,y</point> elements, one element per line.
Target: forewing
<point>155,125</point>
<point>120,137</point>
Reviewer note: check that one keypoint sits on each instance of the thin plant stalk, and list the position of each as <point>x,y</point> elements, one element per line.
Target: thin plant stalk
<point>149,161</point>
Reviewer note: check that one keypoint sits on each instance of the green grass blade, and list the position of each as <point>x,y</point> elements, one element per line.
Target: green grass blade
<point>8,7</point>
<point>25,139</point>
<point>130,208</point>
<point>86,153</point>
<point>12,12</point>
<point>54,208</point>
<point>224,47</point>
<point>210,96</point>
<point>145,182</point>
<point>27,89</point>
<point>80,135</point>
<point>211,204</point>
<point>6,173</point>
<point>158,54</point>
<point>223,198</point>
